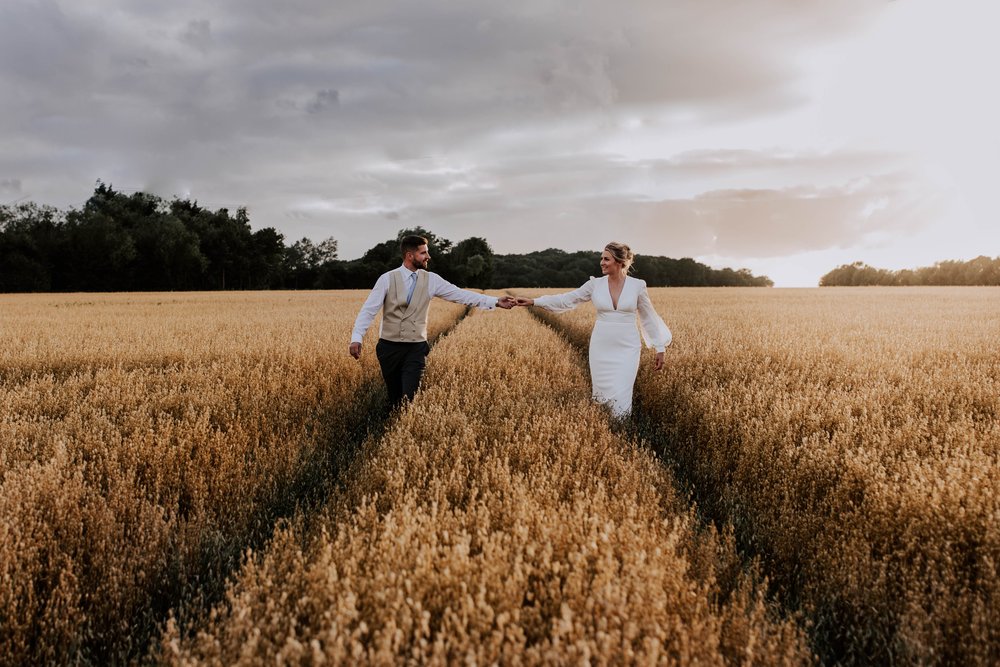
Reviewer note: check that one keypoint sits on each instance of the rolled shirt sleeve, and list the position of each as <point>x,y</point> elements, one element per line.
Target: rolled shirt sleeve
<point>370,308</point>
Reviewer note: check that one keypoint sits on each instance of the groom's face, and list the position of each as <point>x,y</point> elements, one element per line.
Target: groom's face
<point>421,257</point>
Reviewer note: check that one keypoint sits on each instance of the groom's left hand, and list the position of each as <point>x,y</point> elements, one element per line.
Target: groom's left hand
<point>506,302</point>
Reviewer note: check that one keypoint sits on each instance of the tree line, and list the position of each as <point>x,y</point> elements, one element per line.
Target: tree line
<point>120,242</point>
<point>557,268</point>
<point>979,271</point>
<point>142,242</point>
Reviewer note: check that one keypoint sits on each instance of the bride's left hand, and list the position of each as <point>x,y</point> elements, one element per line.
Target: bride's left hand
<point>658,364</point>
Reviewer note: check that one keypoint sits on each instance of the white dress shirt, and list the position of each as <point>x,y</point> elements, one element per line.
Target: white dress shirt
<point>436,286</point>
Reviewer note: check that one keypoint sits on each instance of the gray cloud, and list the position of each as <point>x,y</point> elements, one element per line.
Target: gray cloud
<point>10,186</point>
<point>198,34</point>
<point>397,65</point>
<point>355,118</point>
<point>323,101</point>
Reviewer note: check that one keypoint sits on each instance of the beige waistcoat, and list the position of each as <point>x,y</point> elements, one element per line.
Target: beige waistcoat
<point>404,323</point>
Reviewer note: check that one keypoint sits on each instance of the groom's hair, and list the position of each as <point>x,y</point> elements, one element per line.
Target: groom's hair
<point>411,243</point>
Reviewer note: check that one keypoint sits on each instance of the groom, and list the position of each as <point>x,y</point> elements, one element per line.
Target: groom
<point>404,295</point>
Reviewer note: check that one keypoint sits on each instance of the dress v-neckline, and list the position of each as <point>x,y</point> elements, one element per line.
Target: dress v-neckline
<point>614,304</point>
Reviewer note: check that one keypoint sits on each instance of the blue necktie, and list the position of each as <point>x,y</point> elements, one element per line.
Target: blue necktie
<point>413,283</point>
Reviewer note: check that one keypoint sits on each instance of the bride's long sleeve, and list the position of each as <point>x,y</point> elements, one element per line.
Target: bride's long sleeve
<point>654,329</point>
<point>560,303</point>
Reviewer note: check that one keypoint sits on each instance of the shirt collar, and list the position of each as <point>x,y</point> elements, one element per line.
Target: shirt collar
<point>406,272</point>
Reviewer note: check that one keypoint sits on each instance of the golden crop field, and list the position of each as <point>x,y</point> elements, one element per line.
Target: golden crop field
<point>846,443</point>
<point>147,439</point>
<point>499,520</point>
<point>852,437</point>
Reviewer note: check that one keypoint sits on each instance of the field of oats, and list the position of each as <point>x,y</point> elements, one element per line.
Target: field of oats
<point>162,455</point>
<point>146,440</point>
<point>498,520</point>
<point>852,438</point>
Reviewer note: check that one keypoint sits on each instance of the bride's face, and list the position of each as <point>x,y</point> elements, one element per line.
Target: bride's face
<point>608,264</point>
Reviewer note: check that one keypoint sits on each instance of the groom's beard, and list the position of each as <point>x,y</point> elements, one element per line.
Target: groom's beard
<point>424,265</point>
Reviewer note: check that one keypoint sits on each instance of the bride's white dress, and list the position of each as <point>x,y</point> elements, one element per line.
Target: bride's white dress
<point>615,341</point>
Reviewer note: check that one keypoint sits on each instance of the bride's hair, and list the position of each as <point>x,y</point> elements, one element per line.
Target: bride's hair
<point>621,253</point>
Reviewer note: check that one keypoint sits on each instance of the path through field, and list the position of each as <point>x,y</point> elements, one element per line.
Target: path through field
<point>498,519</point>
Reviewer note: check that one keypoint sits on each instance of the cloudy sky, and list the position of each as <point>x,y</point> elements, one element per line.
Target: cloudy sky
<point>783,136</point>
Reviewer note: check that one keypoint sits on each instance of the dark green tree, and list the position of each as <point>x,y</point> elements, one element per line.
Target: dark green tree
<point>472,263</point>
<point>101,250</point>
<point>168,255</point>
<point>32,248</point>
<point>267,256</point>
<point>304,262</point>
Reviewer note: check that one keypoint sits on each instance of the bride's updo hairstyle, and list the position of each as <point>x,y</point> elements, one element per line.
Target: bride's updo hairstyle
<point>622,254</point>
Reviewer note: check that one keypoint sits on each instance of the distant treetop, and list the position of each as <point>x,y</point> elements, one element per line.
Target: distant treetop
<point>979,271</point>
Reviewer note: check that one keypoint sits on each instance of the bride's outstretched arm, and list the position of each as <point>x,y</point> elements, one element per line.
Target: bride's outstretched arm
<point>558,303</point>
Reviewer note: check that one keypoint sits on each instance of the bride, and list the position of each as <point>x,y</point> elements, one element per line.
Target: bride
<point>614,342</point>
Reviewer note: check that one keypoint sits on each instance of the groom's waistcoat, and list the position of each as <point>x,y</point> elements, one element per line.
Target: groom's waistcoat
<point>402,322</point>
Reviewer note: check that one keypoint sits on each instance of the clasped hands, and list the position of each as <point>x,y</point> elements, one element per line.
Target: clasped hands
<point>508,302</point>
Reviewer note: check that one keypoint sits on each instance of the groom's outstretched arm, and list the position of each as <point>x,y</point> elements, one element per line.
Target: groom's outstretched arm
<point>444,289</point>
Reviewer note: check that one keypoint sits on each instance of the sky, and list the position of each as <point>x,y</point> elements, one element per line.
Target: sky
<point>787,137</point>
